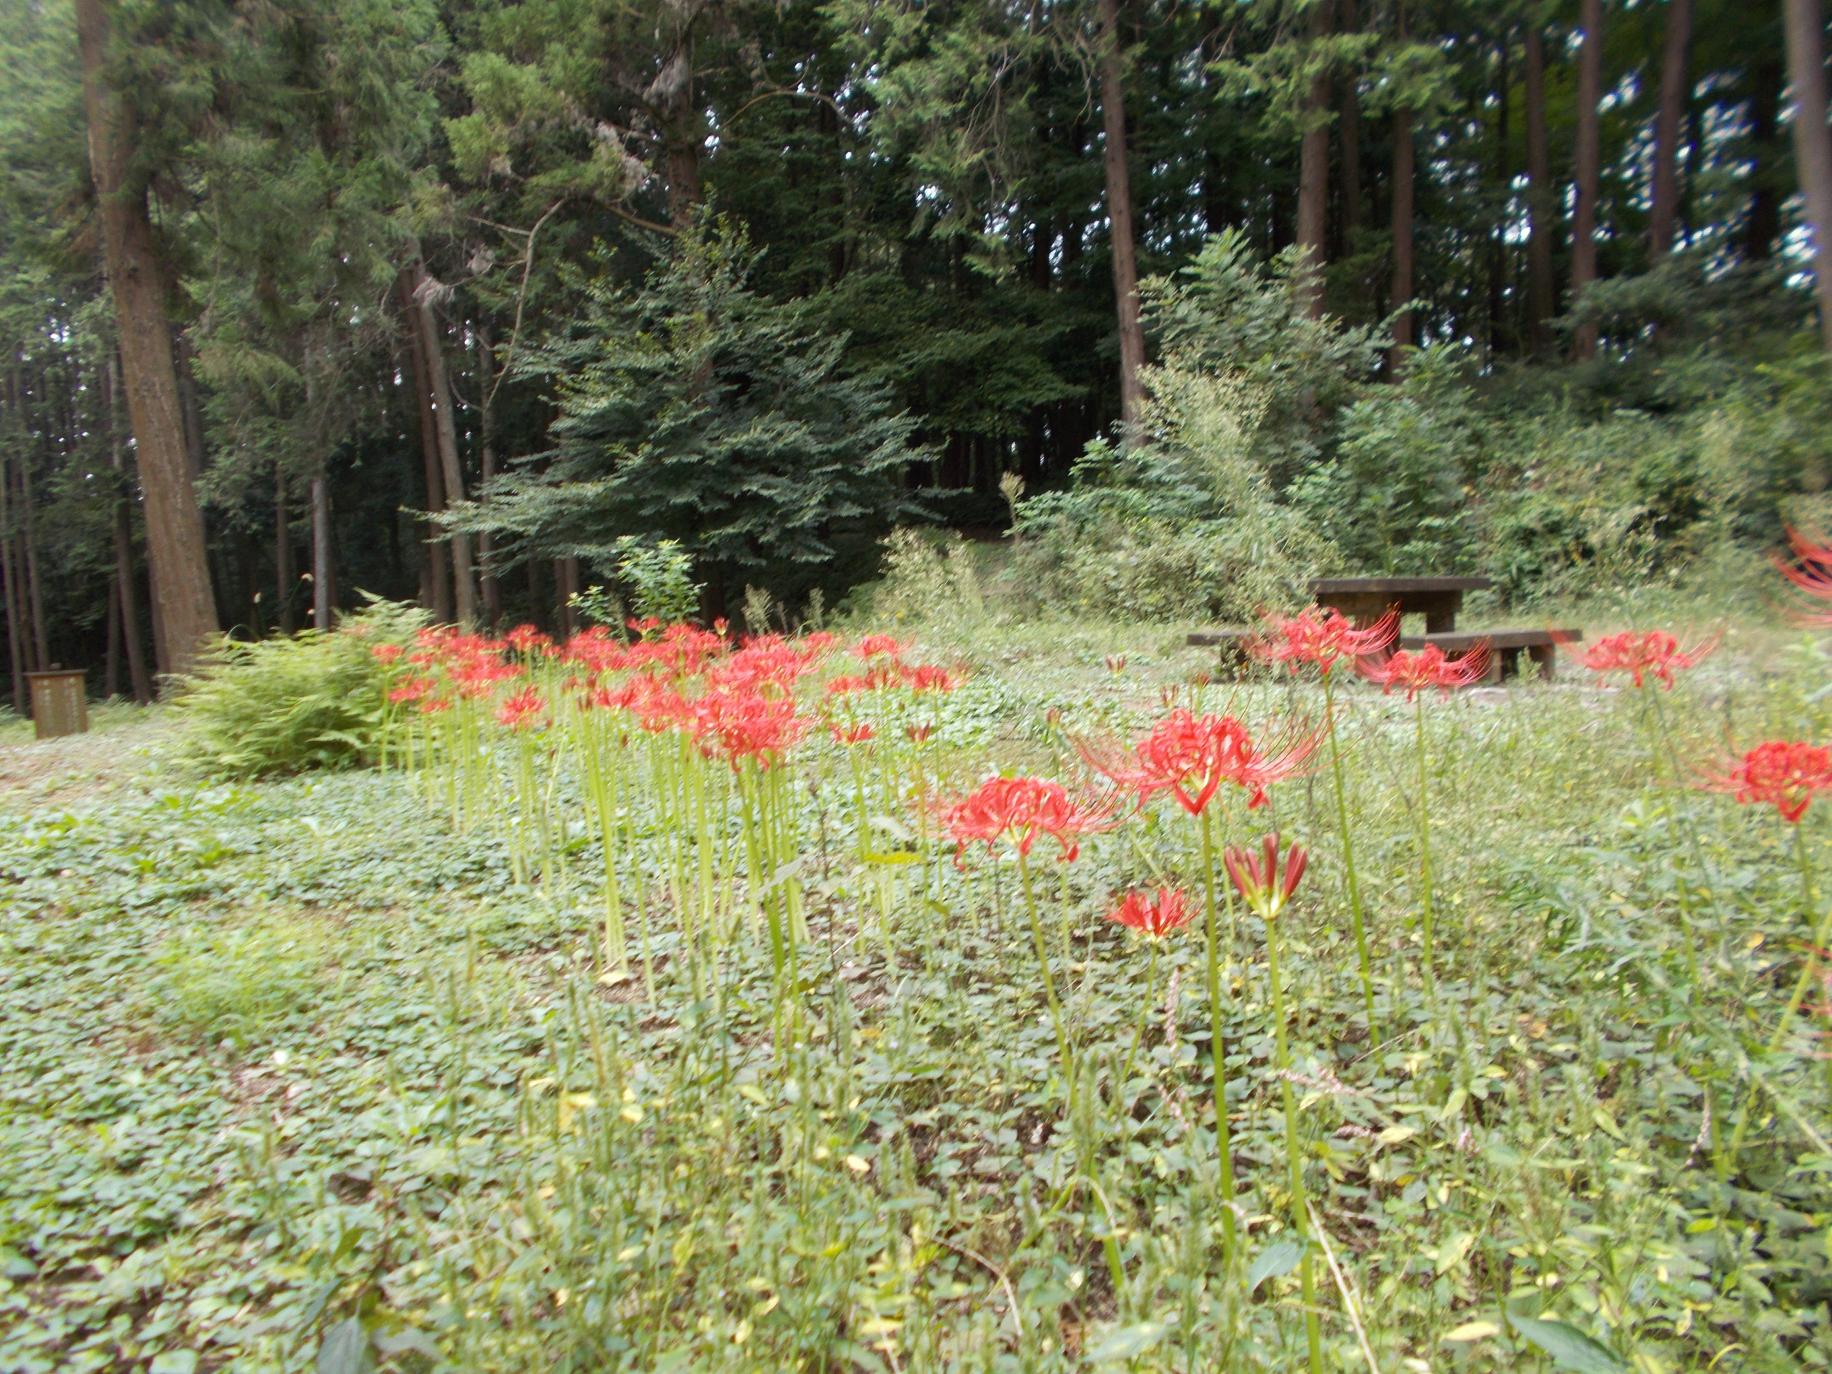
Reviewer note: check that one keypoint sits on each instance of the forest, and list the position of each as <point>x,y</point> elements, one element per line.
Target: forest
<point>475,303</point>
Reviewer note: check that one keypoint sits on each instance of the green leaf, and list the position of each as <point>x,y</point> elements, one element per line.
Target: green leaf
<point>1127,1342</point>
<point>1275,1261</point>
<point>345,1349</point>
<point>1568,1347</point>
<point>173,1362</point>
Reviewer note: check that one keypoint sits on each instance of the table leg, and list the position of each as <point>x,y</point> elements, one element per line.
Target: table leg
<point>1440,611</point>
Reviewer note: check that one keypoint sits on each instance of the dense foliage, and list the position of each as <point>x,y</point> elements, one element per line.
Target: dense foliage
<point>290,703</point>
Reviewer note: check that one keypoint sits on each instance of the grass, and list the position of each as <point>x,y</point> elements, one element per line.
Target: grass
<point>297,1071</point>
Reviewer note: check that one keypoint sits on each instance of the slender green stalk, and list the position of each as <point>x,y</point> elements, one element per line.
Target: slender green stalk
<point>1428,959</point>
<point>1049,979</point>
<point>1224,1140</point>
<point>1294,1162</point>
<point>1356,916</point>
<point>1822,936</point>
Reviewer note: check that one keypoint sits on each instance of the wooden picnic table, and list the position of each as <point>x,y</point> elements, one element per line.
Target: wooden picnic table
<point>1366,599</point>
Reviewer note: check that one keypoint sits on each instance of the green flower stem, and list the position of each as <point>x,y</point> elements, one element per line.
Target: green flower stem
<point>1424,815</point>
<point>1138,1032</point>
<point>1294,1162</point>
<point>1822,936</point>
<point>1049,979</point>
<point>1357,917</point>
<point>1224,1141</point>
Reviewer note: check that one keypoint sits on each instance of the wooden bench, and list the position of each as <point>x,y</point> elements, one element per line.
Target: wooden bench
<point>1229,641</point>
<point>1506,647</point>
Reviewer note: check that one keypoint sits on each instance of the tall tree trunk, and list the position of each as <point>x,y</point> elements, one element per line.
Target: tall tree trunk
<point>1542,291</point>
<point>34,584</point>
<point>286,576</point>
<point>1498,244</point>
<point>15,631</point>
<point>566,587</point>
<point>486,434</point>
<point>9,575</point>
<point>437,553</point>
<point>124,541</point>
<point>1762,226</point>
<point>182,353</point>
<point>445,431</point>
<point>683,124</point>
<point>184,605</point>
<point>1674,83</point>
<point>111,644</point>
<point>1589,159</point>
<point>1347,21</point>
<point>1806,64</point>
<point>1404,168</point>
<point>1124,244</point>
<point>324,582</point>
<point>1313,169</point>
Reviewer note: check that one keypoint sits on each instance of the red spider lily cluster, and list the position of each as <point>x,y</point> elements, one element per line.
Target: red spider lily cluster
<point>524,710</point>
<point>1785,774</point>
<point>1417,670</point>
<point>1651,654</point>
<point>735,701</point>
<point>1154,914</point>
<point>1324,638</point>
<point>1191,756</point>
<point>1264,880</point>
<point>1020,811</point>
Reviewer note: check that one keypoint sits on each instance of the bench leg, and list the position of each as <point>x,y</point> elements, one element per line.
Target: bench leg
<point>1545,658</point>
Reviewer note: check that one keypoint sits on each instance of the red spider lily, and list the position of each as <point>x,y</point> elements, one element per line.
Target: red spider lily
<point>926,677</point>
<point>432,706</point>
<point>478,677</point>
<point>1021,809</point>
<point>1191,756</point>
<point>595,651</point>
<point>1257,877</point>
<point>872,646</point>
<point>526,639</point>
<point>851,734</point>
<point>746,725</point>
<point>645,627</point>
<point>1428,667</point>
<point>1808,567</point>
<point>919,734</point>
<point>526,710</point>
<point>769,659</point>
<point>656,706</point>
<point>679,650</point>
<point>1654,654</point>
<point>1786,774</point>
<point>1154,915</point>
<point>414,689</point>
<point>1324,637</point>
<point>385,653</point>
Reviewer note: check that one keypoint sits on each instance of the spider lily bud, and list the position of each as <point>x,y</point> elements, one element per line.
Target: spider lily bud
<point>1258,879</point>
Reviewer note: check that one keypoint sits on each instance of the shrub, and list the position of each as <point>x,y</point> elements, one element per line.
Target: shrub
<point>311,700</point>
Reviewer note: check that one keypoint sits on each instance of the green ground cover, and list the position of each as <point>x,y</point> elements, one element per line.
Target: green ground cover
<point>301,1073</point>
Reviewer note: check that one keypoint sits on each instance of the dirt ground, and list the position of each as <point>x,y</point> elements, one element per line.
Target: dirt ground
<point>54,774</point>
